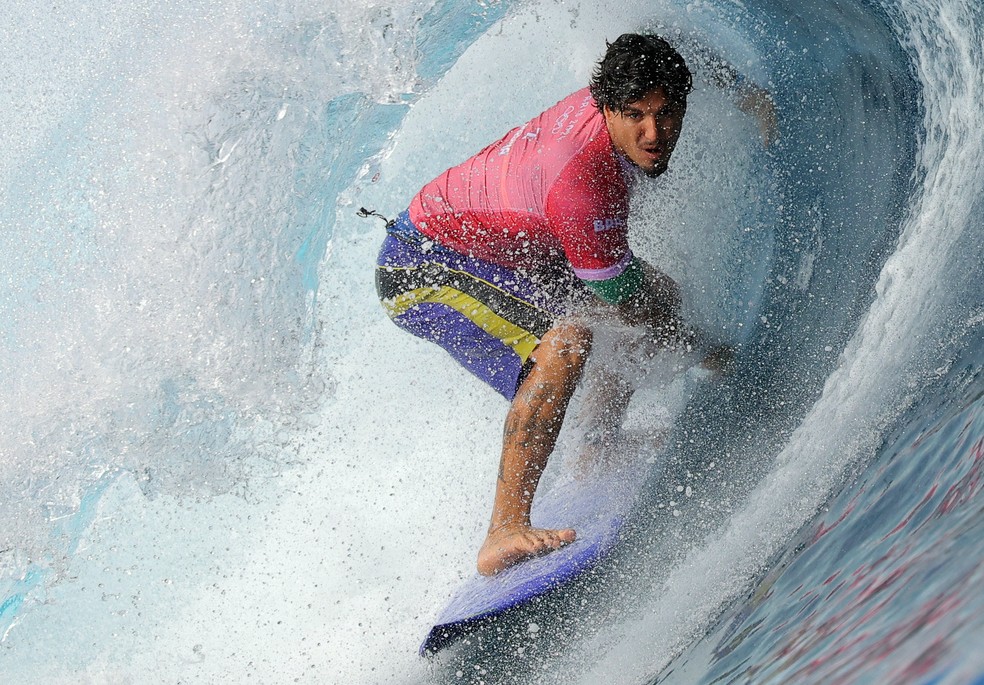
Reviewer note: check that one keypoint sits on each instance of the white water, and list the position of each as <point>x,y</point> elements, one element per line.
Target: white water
<point>163,164</point>
<point>318,488</point>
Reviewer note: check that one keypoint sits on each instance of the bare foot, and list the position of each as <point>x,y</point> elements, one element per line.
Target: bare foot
<point>512,543</point>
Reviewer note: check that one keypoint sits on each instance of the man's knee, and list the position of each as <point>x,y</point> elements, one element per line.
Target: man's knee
<point>567,345</point>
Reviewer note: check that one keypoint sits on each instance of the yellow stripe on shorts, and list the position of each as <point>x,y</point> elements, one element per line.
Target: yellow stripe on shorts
<point>520,340</point>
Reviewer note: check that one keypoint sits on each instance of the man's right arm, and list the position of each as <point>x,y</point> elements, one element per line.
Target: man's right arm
<point>748,96</point>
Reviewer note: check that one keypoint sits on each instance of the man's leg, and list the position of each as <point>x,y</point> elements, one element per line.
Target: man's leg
<point>532,426</point>
<point>605,401</point>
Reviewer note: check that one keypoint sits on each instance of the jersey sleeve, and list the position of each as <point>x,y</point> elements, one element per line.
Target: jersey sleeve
<point>587,209</point>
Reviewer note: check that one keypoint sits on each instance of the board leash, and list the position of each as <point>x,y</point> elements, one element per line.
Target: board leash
<point>366,213</point>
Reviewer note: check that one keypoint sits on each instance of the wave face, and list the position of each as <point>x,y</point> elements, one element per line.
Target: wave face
<point>220,460</point>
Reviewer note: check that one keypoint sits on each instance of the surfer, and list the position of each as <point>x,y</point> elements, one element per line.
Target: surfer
<point>498,258</point>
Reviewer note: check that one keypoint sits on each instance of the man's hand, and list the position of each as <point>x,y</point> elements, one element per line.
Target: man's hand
<point>721,361</point>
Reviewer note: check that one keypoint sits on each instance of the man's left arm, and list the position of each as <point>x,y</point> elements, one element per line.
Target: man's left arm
<point>655,302</point>
<point>645,296</point>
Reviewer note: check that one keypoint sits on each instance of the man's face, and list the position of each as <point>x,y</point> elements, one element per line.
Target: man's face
<point>648,130</point>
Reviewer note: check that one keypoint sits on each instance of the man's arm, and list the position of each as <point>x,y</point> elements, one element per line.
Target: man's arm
<point>656,304</point>
<point>757,102</point>
<point>645,296</point>
<point>748,96</point>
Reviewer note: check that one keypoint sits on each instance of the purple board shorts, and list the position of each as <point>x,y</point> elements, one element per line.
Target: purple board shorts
<point>488,317</point>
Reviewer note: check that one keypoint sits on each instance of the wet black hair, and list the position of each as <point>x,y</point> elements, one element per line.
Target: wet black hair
<point>636,65</point>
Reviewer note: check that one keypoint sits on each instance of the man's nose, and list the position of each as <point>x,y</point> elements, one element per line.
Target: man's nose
<point>650,129</point>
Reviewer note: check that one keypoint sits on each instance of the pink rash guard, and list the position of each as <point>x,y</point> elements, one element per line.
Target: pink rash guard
<point>552,189</point>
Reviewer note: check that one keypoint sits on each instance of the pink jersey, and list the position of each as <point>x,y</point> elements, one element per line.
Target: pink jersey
<point>551,189</point>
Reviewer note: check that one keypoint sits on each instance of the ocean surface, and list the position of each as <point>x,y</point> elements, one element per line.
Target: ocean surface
<point>221,463</point>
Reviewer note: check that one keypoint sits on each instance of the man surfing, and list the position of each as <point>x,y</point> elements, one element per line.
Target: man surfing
<point>499,258</point>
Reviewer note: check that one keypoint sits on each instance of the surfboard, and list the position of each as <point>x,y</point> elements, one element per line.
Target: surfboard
<point>594,500</point>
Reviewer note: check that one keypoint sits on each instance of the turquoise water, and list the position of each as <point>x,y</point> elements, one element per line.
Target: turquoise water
<point>221,461</point>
